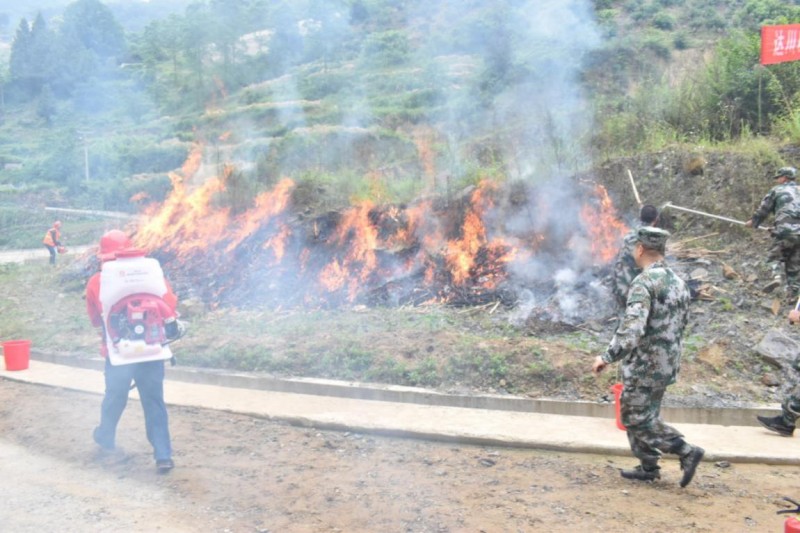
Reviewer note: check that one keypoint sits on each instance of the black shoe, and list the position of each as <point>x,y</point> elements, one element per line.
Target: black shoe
<point>776,424</point>
<point>164,465</point>
<point>689,464</point>
<point>641,474</point>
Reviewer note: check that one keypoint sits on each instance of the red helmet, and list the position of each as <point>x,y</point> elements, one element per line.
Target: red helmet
<point>111,242</point>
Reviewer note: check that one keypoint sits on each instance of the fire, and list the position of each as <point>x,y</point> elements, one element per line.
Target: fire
<point>605,229</point>
<point>267,205</point>
<point>277,244</point>
<point>269,252</point>
<point>186,222</point>
<point>358,237</point>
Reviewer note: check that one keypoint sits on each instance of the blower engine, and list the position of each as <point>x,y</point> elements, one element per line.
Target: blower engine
<point>141,324</point>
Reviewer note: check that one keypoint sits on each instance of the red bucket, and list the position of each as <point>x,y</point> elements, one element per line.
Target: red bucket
<point>617,390</point>
<point>17,354</point>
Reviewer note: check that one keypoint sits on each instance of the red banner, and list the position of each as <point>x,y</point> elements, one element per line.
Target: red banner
<point>780,43</point>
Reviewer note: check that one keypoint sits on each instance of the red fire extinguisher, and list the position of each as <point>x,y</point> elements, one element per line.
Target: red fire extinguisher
<point>617,390</point>
<point>791,524</point>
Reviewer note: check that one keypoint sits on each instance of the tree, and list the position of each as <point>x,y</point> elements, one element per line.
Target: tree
<point>195,41</point>
<point>19,61</point>
<point>41,58</point>
<point>755,13</point>
<point>46,108</point>
<point>95,27</point>
<point>32,61</point>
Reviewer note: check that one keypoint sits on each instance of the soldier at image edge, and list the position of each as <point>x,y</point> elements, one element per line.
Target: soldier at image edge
<point>648,344</point>
<point>783,202</point>
<point>784,423</point>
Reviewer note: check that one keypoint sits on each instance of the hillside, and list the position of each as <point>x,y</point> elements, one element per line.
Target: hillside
<point>539,347</point>
<point>370,99</point>
<point>404,194</point>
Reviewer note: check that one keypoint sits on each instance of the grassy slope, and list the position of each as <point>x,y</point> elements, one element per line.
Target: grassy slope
<point>474,349</point>
<point>425,346</point>
<point>429,346</point>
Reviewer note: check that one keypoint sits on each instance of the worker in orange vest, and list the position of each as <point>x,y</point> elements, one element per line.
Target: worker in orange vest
<point>52,240</point>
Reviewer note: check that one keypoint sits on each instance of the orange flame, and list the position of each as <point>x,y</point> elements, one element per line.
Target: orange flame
<point>186,221</point>
<point>368,246</point>
<point>359,237</point>
<point>268,205</point>
<point>605,229</point>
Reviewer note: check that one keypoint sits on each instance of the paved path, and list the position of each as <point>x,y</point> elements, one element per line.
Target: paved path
<point>469,425</point>
<point>20,256</point>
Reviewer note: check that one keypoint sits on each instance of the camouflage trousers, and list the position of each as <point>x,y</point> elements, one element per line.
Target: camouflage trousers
<point>648,435</point>
<point>791,397</point>
<point>786,249</point>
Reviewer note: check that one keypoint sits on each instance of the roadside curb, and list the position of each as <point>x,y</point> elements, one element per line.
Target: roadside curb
<point>740,416</point>
<point>482,427</point>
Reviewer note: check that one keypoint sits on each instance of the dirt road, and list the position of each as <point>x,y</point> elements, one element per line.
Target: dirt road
<point>240,474</point>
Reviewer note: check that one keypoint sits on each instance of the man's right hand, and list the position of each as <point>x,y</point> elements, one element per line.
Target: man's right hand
<point>794,316</point>
<point>599,365</point>
<point>749,223</point>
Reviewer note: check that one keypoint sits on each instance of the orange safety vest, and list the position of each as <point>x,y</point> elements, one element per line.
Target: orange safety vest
<point>52,237</point>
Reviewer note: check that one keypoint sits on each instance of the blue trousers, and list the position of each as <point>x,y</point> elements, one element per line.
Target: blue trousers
<point>149,378</point>
<point>52,250</point>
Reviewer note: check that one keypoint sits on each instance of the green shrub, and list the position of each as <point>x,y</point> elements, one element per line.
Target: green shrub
<point>607,20</point>
<point>386,49</point>
<point>681,41</point>
<point>657,44</point>
<point>318,86</point>
<point>664,21</point>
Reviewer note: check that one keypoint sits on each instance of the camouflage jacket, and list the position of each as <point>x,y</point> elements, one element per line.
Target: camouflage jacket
<point>783,201</point>
<point>625,269</point>
<point>648,340</point>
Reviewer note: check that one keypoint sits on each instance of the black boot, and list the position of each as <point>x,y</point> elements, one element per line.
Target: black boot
<point>689,464</point>
<point>777,424</point>
<point>641,474</point>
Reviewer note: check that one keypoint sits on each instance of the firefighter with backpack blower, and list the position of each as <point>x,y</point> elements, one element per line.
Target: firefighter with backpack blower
<point>132,304</point>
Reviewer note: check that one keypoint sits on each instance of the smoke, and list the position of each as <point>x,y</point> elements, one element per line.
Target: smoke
<point>431,97</point>
<point>525,81</point>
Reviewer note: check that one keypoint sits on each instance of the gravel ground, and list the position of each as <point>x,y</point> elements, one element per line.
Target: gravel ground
<point>237,473</point>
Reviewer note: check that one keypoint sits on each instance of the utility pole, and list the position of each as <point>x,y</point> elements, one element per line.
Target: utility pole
<point>84,136</point>
<point>86,160</point>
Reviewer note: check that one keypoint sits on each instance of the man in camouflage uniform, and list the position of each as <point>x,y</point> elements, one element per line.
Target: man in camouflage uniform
<point>648,342</point>
<point>783,201</point>
<point>784,423</point>
<point>625,268</point>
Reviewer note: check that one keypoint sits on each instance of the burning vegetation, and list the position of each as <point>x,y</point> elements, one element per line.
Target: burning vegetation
<point>484,245</point>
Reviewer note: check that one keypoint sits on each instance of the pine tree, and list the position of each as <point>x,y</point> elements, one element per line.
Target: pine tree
<point>19,61</point>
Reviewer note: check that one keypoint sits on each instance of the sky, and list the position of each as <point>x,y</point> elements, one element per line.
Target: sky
<point>133,15</point>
